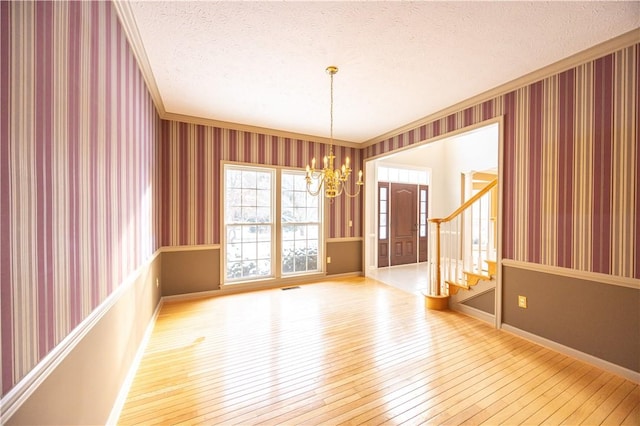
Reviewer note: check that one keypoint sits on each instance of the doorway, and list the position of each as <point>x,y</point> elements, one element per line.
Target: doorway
<point>403,213</point>
<point>463,152</point>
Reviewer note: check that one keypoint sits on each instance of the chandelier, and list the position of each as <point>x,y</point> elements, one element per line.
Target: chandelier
<point>333,180</point>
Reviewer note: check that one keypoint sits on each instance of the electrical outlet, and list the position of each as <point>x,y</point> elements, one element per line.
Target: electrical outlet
<point>522,302</point>
<point>329,259</point>
<point>350,223</point>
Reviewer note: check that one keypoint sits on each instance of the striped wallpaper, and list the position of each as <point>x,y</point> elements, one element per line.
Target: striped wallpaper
<point>571,158</point>
<point>191,156</point>
<point>77,160</point>
<point>93,182</point>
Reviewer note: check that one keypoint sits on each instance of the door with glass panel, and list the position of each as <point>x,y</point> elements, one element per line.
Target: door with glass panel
<point>402,223</point>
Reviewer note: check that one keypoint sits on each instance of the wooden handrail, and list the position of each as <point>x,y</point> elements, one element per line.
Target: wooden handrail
<point>449,218</point>
<point>466,204</point>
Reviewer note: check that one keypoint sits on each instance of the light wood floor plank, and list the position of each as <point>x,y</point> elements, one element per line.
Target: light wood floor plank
<point>607,407</point>
<point>355,351</point>
<point>449,415</point>
<point>624,409</point>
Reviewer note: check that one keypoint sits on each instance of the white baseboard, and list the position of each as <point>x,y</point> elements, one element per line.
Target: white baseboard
<point>264,285</point>
<point>631,375</point>
<point>473,312</point>
<point>131,374</point>
<point>344,275</point>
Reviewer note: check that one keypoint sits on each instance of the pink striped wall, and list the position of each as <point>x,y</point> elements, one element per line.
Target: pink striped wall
<point>191,158</point>
<point>77,163</point>
<point>571,157</point>
<point>82,149</point>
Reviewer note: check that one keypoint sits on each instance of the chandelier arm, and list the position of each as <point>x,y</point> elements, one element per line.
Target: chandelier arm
<point>316,174</point>
<point>352,195</point>
<point>318,189</point>
<point>313,193</point>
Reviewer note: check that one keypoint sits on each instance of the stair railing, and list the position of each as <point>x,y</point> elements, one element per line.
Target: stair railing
<point>462,240</point>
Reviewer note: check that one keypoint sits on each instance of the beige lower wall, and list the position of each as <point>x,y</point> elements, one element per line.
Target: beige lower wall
<point>197,270</point>
<point>346,257</point>
<point>83,388</point>
<point>599,319</point>
<point>485,302</point>
<point>190,271</point>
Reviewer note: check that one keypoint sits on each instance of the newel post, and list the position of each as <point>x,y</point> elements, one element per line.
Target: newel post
<point>437,301</point>
<point>438,271</point>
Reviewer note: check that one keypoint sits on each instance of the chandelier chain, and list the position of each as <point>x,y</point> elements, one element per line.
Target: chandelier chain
<point>331,111</point>
<point>333,181</point>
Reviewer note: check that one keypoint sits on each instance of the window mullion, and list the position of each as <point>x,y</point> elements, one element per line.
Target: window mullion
<point>276,245</point>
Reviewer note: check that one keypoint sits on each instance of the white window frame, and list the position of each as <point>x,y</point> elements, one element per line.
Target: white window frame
<point>277,277</point>
<point>299,179</point>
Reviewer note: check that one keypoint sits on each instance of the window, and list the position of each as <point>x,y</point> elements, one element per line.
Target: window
<point>402,175</point>
<point>383,220</point>
<point>423,212</point>
<point>273,227</point>
<point>248,218</point>
<point>300,225</point>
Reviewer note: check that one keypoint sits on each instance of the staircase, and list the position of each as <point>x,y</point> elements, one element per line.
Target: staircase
<point>463,251</point>
<point>469,280</point>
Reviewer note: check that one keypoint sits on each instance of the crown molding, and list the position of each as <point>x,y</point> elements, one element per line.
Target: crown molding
<point>625,40</point>
<point>127,19</point>
<point>124,12</point>
<point>255,129</point>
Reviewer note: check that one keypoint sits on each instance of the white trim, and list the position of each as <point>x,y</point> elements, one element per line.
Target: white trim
<point>343,239</point>
<point>574,273</point>
<point>500,224</point>
<point>448,135</point>
<point>23,390</point>
<point>277,274</point>
<point>256,129</point>
<point>628,374</point>
<point>275,284</point>
<point>345,275</point>
<point>473,312</point>
<point>168,249</point>
<point>272,282</point>
<point>124,12</point>
<point>127,19</point>
<point>591,54</point>
<point>133,369</point>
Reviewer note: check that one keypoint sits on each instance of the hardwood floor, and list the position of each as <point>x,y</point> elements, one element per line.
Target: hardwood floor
<point>356,351</point>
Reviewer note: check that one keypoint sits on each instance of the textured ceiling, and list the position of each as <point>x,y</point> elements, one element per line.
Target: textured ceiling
<point>263,63</point>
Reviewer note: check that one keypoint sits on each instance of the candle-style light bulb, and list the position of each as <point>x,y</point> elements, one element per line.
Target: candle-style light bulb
<point>326,160</point>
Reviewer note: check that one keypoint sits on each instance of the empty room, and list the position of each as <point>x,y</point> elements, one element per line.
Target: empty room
<point>312,212</point>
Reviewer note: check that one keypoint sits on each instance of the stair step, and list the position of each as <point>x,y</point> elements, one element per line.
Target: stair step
<point>492,266</point>
<point>454,287</point>
<point>473,278</point>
